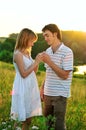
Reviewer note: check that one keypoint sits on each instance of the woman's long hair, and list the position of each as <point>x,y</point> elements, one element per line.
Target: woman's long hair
<point>23,38</point>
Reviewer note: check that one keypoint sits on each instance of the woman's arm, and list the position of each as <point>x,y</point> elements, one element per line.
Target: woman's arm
<point>18,58</point>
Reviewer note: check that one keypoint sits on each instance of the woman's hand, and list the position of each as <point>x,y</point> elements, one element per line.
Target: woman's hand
<point>39,58</point>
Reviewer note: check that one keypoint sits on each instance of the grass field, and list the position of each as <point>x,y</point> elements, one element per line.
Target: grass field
<point>76,108</point>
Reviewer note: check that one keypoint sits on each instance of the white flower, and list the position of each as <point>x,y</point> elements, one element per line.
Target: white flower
<point>9,126</point>
<point>35,128</point>
<point>18,128</point>
<point>3,123</point>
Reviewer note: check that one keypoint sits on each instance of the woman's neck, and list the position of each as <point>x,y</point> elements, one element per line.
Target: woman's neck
<point>26,52</point>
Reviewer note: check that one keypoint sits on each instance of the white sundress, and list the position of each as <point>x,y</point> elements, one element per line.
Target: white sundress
<point>26,100</point>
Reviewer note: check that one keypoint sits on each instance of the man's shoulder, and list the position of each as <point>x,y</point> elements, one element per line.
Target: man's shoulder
<point>48,49</point>
<point>66,48</point>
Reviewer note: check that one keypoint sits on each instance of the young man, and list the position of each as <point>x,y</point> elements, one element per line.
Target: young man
<point>55,90</point>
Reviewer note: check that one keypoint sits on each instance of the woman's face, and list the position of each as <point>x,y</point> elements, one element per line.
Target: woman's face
<point>31,43</point>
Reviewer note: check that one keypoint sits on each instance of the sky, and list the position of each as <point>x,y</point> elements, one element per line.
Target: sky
<point>35,14</point>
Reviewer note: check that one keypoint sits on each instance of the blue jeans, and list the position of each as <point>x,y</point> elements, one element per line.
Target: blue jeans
<point>55,106</point>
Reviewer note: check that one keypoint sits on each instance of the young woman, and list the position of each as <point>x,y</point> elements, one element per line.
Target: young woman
<point>26,101</point>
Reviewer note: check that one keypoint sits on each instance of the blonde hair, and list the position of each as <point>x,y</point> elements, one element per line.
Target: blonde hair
<point>24,37</point>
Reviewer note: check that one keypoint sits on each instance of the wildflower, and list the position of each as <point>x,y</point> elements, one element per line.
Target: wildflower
<point>3,123</point>
<point>9,126</point>
<point>12,92</point>
<point>35,128</point>
<point>18,128</point>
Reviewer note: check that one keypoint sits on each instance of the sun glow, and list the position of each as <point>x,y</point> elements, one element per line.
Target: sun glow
<point>69,15</point>
<point>81,70</point>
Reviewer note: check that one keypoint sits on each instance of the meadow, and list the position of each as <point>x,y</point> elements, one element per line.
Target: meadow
<point>76,108</point>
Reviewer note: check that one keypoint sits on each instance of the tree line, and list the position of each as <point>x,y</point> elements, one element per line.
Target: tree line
<point>76,40</point>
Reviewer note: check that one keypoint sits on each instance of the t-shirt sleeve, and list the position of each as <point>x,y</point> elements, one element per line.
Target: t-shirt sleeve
<point>68,61</point>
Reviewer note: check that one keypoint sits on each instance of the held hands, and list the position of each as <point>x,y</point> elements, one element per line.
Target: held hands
<point>45,57</point>
<point>42,57</point>
<point>39,58</point>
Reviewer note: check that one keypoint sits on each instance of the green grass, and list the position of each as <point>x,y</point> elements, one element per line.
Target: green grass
<point>76,108</point>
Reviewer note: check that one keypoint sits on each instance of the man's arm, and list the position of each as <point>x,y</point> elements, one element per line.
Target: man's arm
<point>60,72</point>
<point>42,91</point>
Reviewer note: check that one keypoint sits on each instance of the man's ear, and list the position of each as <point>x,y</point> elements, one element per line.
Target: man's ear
<point>55,34</point>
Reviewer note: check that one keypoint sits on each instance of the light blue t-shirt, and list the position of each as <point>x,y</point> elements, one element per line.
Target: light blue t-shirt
<point>54,85</point>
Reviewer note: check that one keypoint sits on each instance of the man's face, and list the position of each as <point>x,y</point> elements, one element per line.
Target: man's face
<point>49,37</point>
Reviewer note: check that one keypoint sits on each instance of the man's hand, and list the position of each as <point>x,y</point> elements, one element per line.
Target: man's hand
<point>42,93</point>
